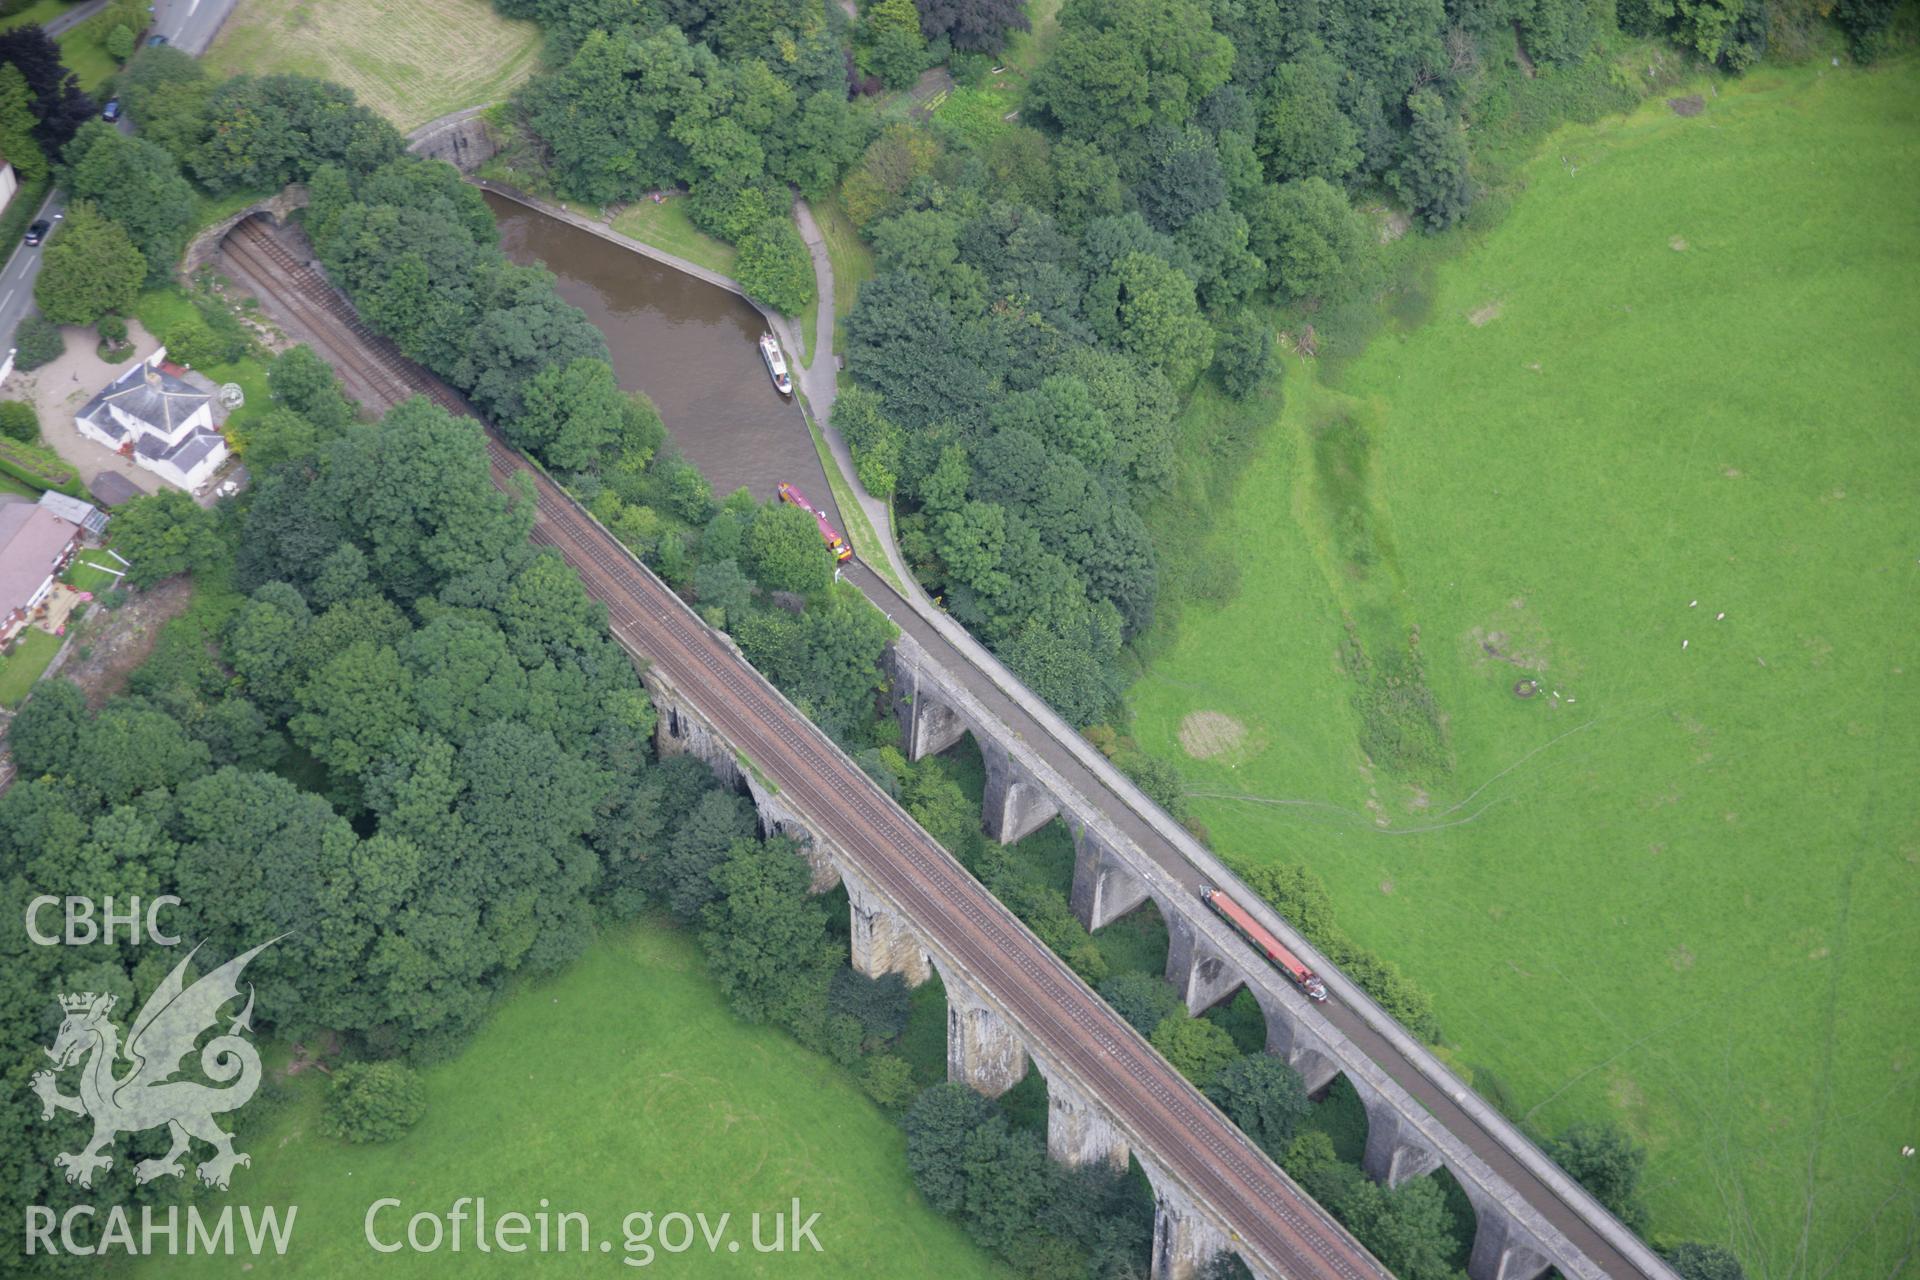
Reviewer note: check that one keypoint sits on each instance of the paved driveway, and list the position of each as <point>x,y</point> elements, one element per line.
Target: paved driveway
<point>58,390</point>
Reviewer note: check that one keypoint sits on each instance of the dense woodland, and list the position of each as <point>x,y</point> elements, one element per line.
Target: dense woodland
<point>391,729</point>
<point>1050,290</point>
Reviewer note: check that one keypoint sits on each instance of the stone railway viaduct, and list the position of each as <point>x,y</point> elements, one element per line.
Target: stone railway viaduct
<point>1206,963</point>
<point>1530,1215</point>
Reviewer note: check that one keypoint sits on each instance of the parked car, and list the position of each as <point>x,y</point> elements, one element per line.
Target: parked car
<point>154,42</point>
<point>38,231</point>
<point>111,111</point>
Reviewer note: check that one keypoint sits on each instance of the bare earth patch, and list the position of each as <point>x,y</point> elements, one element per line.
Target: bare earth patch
<point>1480,317</point>
<point>1207,735</point>
<point>118,641</point>
<point>1523,645</point>
<point>1678,244</point>
<point>1691,105</point>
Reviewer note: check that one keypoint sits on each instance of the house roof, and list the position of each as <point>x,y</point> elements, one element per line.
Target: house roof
<point>32,538</point>
<point>156,396</point>
<point>189,453</point>
<point>73,510</point>
<point>113,489</point>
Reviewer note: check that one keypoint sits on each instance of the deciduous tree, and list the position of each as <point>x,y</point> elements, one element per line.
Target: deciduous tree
<point>774,267</point>
<point>1303,133</point>
<point>137,185</point>
<point>765,936</point>
<point>1141,998</point>
<point>91,267</point>
<point>1606,1162</point>
<point>1313,242</point>
<point>974,26</point>
<point>1199,1049</point>
<point>17,123</point>
<point>165,533</point>
<point>784,552</point>
<point>1265,1097</point>
<point>1432,174</point>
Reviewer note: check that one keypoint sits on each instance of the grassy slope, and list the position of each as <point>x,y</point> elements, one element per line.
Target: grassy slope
<point>667,226</point>
<point>411,62</point>
<point>1684,896</point>
<point>623,1084</point>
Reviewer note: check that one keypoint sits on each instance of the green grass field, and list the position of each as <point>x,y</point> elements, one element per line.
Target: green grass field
<point>31,653</point>
<point>410,60</point>
<point>1677,887</point>
<point>622,1085</point>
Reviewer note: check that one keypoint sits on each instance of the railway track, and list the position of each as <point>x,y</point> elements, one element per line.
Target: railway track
<point>1167,1118</point>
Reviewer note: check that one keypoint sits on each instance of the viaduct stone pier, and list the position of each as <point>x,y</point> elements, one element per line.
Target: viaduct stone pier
<point>987,1048</point>
<point>1207,962</point>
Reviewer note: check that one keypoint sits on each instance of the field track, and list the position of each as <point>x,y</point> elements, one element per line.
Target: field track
<point>1183,1132</point>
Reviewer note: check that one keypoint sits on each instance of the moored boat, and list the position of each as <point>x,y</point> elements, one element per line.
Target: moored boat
<point>776,364</point>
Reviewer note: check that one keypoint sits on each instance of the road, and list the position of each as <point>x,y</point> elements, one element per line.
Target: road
<point>1177,1127</point>
<point>190,24</point>
<point>22,269</point>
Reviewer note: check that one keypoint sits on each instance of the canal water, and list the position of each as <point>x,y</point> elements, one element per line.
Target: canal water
<point>689,345</point>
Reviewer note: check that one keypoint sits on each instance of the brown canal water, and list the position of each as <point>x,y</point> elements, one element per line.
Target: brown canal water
<point>689,345</point>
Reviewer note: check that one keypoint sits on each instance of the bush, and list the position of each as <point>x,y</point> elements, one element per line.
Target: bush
<point>211,336</point>
<point>774,267</point>
<point>190,343</point>
<point>112,330</point>
<point>373,1102</point>
<point>1604,1160</point>
<point>37,341</point>
<point>1243,355</point>
<point>888,1081</point>
<point>18,421</point>
<point>1704,1262</point>
<point>119,43</point>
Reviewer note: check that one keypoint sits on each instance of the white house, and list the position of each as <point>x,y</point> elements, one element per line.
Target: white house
<point>163,422</point>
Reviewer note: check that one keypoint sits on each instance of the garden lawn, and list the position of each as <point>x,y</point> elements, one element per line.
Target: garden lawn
<point>412,62</point>
<point>86,574</point>
<point>1677,888</point>
<point>667,226</point>
<point>20,668</point>
<point>38,13</point>
<point>84,55</point>
<point>621,1085</point>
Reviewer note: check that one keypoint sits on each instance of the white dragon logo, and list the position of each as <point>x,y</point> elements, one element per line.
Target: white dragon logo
<point>147,1096</point>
